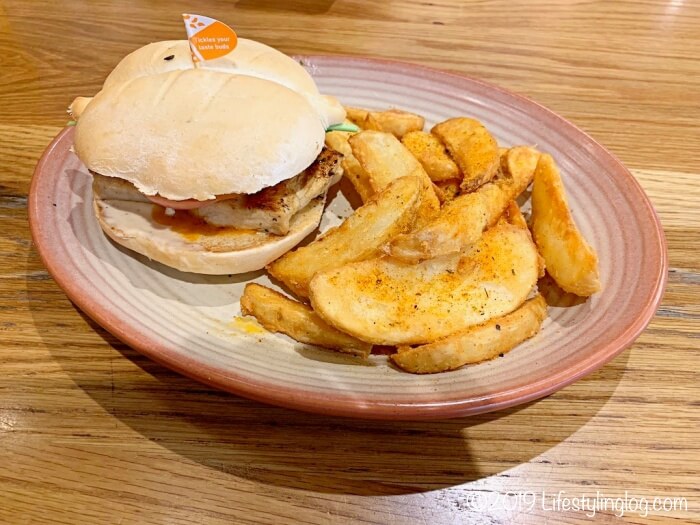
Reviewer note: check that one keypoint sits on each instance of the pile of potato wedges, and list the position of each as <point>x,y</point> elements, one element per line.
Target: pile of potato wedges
<point>439,261</point>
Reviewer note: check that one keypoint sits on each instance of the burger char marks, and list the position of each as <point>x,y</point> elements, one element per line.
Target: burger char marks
<point>270,209</point>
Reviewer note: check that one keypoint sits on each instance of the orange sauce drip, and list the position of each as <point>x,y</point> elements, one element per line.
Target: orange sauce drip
<point>248,326</point>
<point>190,226</point>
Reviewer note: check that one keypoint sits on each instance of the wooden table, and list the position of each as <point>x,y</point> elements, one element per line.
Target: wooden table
<point>91,432</point>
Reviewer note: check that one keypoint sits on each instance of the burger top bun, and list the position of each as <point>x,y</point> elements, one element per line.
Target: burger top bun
<point>237,124</point>
<point>250,58</point>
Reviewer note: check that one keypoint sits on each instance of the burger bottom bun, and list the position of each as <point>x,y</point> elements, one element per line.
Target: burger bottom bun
<point>227,252</point>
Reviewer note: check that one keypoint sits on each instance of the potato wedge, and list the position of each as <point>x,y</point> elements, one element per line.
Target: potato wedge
<point>570,260</point>
<point>431,153</point>
<point>386,301</point>
<point>338,141</point>
<point>384,159</point>
<point>472,147</point>
<point>361,236</point>
<point>278,313</point>
<point>394,121</point>
<point>555,296</point>
<point>477,343</point>
<point>356,115</point>
<point>514,216</point>
<point>462,220</point>
<point>447,190</point>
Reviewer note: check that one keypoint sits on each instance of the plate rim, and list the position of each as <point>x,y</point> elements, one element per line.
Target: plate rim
<point>351,406</point>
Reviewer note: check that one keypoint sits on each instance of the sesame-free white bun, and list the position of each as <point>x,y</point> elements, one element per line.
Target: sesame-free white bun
<point>249,58</point>
<point>131,224</point>
<point>236,124</point>
<point>192,134</point>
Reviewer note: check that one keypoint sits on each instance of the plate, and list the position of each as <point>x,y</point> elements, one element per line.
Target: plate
<point>188,322</point>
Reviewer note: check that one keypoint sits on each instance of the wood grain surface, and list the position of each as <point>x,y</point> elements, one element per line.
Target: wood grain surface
<point>91,432</point>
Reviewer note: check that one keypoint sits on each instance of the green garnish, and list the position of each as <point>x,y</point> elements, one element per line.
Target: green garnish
<point>343,127</point>
<point>71,123</point>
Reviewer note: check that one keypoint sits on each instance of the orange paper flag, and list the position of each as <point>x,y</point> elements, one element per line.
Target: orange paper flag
<point>209,38</point>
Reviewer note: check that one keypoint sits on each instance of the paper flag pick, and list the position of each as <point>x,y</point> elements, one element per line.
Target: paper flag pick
<point>209,38</point>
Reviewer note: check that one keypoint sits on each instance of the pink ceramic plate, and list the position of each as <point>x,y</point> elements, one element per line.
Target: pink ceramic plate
<point>186,321</point>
